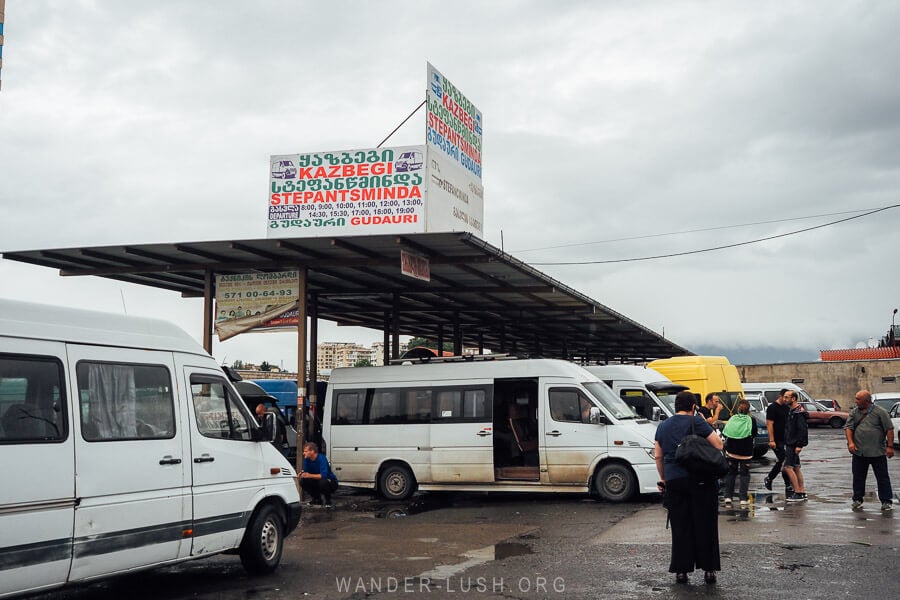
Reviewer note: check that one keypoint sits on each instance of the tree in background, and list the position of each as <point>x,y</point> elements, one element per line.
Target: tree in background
<point>238,364</point>
<point>265,366</point>
<point>417,341</point>
<point>363,362</point>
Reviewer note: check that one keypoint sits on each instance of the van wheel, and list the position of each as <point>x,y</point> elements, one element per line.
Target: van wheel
<point>396,483</point>
<point>836,422</point>
<point>263,542</point>
<point>615,483</point>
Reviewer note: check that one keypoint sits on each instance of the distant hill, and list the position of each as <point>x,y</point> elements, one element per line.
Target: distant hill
<point>758,355</point>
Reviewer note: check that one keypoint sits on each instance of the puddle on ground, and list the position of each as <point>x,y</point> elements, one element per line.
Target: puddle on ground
<point>507,549</point>
<point>478,557</point>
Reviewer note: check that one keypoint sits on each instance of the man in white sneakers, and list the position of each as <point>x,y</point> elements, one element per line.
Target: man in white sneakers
<point>796,437</point>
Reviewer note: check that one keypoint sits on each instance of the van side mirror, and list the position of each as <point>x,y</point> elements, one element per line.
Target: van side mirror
<point>270,426</point>
<point>596,416</point>
<point>655,414</point>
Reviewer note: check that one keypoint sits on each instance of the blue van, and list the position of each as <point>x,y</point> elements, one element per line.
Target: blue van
<point>285,393</point>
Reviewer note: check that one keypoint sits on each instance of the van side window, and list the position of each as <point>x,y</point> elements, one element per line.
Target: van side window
<point>348,407</point>
<point>569,406</point>
<point>125,401</point>
<point>400,406</point>
<point>219,413</point>
<point>32,400</point>
<point>639,401</point>
<point>461,404</point>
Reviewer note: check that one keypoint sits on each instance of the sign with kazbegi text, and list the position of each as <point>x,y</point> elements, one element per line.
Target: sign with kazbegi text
<point>435,187</point>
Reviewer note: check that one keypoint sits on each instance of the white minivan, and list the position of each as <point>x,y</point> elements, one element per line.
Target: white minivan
<point>641,388</point>
<point>485,425</point>
<point>123,446</point>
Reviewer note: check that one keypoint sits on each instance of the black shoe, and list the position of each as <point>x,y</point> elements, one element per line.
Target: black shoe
<point>768,483</point>
<point>709,577</point>
<point>681,578</point>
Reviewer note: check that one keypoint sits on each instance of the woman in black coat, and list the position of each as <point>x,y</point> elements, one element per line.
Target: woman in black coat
<point>693,502</point>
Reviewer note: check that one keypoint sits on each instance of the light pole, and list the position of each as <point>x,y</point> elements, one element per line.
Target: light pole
<point>893,341</point>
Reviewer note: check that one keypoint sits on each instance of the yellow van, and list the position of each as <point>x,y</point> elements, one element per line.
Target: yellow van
<point>702,375</point>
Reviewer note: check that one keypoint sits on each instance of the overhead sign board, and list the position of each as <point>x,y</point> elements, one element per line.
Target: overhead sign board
<point>352,192</point>
<point>434,187</point>
<point>453,134</point>
<point>415,266</point>
<point>256,301</point>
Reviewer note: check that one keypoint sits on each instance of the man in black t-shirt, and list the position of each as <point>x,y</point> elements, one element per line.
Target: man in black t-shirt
<point>776,421</point>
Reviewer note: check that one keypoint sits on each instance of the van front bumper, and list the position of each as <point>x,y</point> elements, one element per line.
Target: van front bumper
<point>647,477</point>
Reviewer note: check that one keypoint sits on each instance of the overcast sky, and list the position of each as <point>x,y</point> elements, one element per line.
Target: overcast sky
<point>143,122</point>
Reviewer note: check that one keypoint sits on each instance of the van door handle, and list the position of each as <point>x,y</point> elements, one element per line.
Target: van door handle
<point>483,433</point>
<point>204,458</point>
<point>168,460</point>
<point>554,433</point>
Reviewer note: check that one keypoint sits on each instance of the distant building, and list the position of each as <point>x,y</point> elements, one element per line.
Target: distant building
<point>331,355</point>
<point>378,352</point>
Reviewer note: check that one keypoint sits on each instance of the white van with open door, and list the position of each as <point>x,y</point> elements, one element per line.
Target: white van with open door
<point>123,446</point>
<point>485,425</point>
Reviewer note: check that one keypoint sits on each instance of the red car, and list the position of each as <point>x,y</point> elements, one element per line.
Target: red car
<point>819,415</point>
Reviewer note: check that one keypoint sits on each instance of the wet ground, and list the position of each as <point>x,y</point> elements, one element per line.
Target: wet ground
<point>560,546</point>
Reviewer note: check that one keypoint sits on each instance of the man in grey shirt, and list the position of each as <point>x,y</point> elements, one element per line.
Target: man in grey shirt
<point>870,439</point>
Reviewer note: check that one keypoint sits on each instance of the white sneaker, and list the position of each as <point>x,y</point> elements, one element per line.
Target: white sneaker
<point>727,501</point>
<point>745,502</point>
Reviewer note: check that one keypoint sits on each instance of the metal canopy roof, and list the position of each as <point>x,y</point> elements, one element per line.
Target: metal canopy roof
<point>489,295</point>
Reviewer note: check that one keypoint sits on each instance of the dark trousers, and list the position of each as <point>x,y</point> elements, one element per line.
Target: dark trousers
<point>693,511</point>
<point>737,468</point>
<point>779,462</point>
<point>860,468</point>
<point>318,488</point>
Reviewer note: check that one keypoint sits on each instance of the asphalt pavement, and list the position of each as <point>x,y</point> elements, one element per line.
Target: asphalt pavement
<point>454,545</point>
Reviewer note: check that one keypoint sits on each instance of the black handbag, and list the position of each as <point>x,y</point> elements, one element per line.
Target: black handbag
<point>699,457</point>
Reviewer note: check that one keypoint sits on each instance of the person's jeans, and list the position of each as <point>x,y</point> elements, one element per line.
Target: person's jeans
<point>776,468</point>
<point>318,488</point>
<point>860,468</point>
<point>741,468</point>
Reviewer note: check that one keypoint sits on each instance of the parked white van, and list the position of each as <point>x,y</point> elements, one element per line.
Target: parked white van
<point>769,391</point>
<point>485,425</point>
<point>123,446</point>
<point>639,387</point>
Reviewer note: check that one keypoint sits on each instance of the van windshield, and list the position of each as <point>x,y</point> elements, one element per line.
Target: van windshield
<point>667,398</point>
<point>612,403</point>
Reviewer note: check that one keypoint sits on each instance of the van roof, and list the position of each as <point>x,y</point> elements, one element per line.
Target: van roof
<point>55,323</point>
<point>644,375</point>
<point>777,385</point>
<point>466,370</point>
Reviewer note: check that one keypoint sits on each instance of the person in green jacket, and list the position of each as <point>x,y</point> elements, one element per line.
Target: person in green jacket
<point>739,432</point>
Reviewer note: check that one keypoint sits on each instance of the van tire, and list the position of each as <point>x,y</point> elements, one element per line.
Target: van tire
<point>615,482</point>
<point>263,542</point>
<point>396,482</point>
